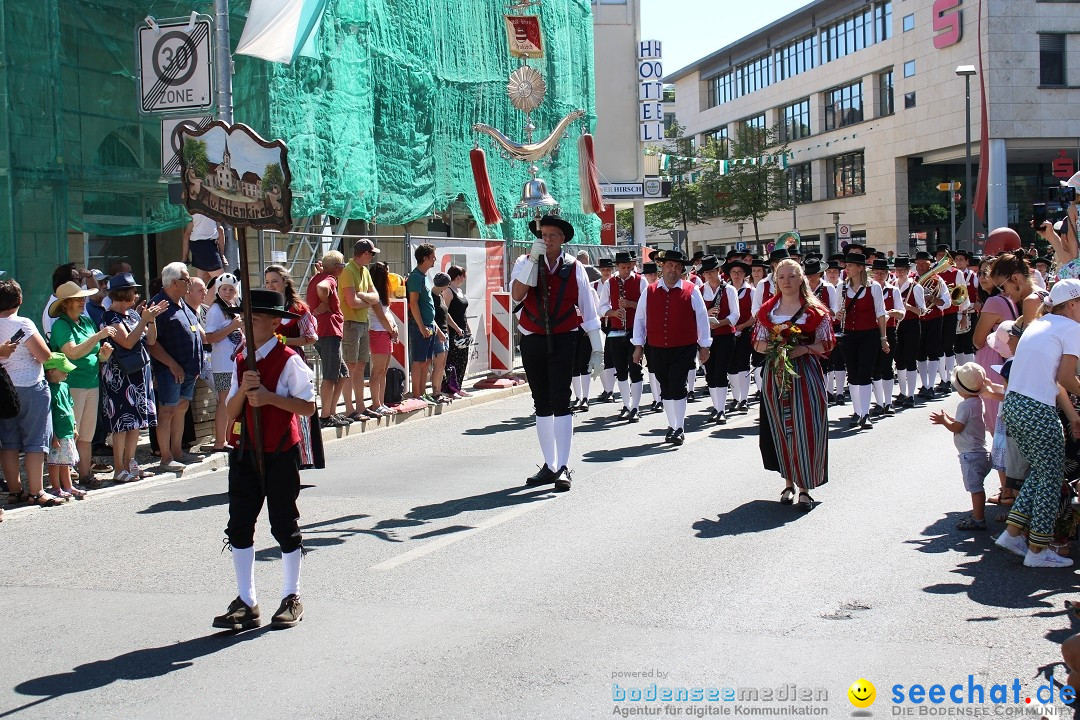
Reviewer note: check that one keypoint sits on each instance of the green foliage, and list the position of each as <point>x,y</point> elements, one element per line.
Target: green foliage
<point>272,176</point>
<point>685,207</point>
<point>746,192</point>
<point>195,156</point>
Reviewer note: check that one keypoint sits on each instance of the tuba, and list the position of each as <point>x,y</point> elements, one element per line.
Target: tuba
<point>929,279</point>
<point>959,295</point>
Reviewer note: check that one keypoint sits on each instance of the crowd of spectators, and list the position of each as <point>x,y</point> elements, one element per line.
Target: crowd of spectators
<point>111,362</point>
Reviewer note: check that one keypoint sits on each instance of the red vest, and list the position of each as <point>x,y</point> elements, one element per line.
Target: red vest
<point>890,303</point>
<point>932,309</point>
<point>631,290</point>
<point>769,290</point>
<point>908,297</point>
<point>950,278</point>
<point>562,300</point>
<point>822,294</point>
<point>746,302</point>
<point>280,430</point>
<point>670,320</point>
<point>860,313</point>
<point>720,300</point>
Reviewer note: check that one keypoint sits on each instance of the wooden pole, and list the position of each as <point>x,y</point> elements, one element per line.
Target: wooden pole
<point>249,333</point>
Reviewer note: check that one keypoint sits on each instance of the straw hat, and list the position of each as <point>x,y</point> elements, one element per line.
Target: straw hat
<point>969,378</point>
<point>67,291</point>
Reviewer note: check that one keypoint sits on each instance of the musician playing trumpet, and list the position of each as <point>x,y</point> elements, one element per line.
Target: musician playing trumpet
<point>937,298</point>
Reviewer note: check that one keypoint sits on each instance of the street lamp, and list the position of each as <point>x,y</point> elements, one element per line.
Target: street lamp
<point>967,71</point>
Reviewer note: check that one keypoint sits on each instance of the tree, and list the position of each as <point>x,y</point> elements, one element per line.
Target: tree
<point>747,191</point>
<point>685,206</point>
<point>272,176</point>
<point>195,156</point>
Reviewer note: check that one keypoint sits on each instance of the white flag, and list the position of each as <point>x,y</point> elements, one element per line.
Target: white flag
<point>281,30</point>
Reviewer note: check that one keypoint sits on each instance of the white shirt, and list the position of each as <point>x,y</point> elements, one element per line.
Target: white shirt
<point>701,316</point>
<point>221,352</point>
<point>832,297</point>
<point>708,295</point>
<point>373,320</point>
<point>21,365</point>
<point>759,294</point>
<point>203,228</point>
<point>297,379</point>
<point>1038,357</point>
<point>586,296</point>
<point>604,292</point>
<point>875,292</point>
<point>918,296</point>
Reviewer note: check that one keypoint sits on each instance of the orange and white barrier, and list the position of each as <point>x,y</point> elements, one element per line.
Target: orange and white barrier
<point>502,359</point>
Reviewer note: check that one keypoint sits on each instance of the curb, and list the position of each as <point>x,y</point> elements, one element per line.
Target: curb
<point>218,461</point>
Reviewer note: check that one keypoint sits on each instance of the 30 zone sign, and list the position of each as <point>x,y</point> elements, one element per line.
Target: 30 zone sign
<point>174,67</point>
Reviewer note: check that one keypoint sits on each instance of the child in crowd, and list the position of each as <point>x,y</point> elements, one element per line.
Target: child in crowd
<point>62,452</point>
<point>969,436</point>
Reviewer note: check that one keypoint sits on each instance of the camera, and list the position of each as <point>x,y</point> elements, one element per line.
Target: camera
<point>1038,214</point>
<point>1066,194</point>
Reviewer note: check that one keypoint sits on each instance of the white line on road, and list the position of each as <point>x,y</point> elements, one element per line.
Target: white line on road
<point>439,543</point>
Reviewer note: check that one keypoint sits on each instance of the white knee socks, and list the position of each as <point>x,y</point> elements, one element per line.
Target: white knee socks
<point>879,393</point>
<point>757,380</point>
<point>680,413</point>
<point>887,387</point>
<point>290,568</point>
<point>654,387</point>
<point>669,411</point>
<point>860,399</point>
<point>545,431</point>
<point>691,378</point>
<point>586,382</point>
<point>564,435</point>
<point>575,385</point>
<point>719,398</point>
<point>608,379</point>
<point>244,565</point>
<point>840,378</point>
<point>635,395</point>
<point>624,390</point>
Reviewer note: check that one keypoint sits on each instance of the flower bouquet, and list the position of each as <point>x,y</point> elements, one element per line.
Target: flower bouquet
<point>783,338</point>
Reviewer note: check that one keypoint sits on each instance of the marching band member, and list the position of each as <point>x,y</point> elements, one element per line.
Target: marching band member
<point>619,298</point>
<point>557,306</point>
<point>829,295</point>
<point>739,366</point>
<point>764,290</point>
<point>930,331</point>
<point>607,378</point>
<point>652,273</point>
<point>864,320</point>
<point>722,302</point>
<point>582,378</point>
<point>967,316</point>
<point>894,310</point>
<point>950,316</point>
<point>672,319</point>
<point>906,352</point>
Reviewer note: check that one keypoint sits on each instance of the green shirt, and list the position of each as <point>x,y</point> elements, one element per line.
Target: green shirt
<point>64,330</point>
<point>417,283</point>
<point>63,411</point>
<point>358,278</point>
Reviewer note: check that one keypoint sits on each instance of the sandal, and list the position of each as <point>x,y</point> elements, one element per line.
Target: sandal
<point>787,496</point>
<point>805,505</point>
<point>77,493</point>
<point>1005,501</point>
<point>18,498</point>
<point>91,482</point>
<point>970,523</point>
<point>44,499</point>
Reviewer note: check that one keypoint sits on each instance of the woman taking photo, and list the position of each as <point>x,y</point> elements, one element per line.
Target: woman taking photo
<point>460,338</point>
<point>794,425</point>
<point>1045,358</point>
<point>224,334</point>
<point>74,335</point>
<point>128,384</point>
<point>382,340</point>
<point>862,307</point>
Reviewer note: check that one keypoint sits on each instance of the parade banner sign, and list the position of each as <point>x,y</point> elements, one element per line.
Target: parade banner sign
<point>523,36</point>
<point>236,177</point>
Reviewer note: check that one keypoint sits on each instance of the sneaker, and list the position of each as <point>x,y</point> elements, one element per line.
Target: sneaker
<point>428,399</point>
<point>239,616</point>
<point>1016,545</point>
<point>290,612</point>
<point>1046,558</point>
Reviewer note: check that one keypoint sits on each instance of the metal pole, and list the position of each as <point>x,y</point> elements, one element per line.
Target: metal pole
<point>969,218</point>
<point>794,212</point>
<point>249,333</point>
<point>952,218</point>
<point>223,61</point>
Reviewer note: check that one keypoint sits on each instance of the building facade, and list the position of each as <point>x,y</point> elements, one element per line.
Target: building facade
<point>868,99</point>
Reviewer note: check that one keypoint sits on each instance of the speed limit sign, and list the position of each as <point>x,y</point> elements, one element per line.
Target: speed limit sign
<point>175,71</point>
<point>844,232</point>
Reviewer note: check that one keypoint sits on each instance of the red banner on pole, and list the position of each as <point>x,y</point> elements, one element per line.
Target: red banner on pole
<point>608,235</point>
<point>523,35</point>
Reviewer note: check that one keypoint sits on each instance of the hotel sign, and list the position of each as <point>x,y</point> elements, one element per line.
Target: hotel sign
<point>650,91</point>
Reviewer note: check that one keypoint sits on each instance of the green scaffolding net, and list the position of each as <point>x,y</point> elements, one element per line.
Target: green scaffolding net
<point>379,127</point>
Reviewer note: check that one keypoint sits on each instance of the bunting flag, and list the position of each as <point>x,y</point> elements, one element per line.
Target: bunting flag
<point>282,30</point>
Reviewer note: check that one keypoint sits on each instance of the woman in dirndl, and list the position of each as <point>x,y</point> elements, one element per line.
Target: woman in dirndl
<point>794,426</point>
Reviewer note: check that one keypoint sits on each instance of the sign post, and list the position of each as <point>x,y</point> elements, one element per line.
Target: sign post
<point>175,69</point>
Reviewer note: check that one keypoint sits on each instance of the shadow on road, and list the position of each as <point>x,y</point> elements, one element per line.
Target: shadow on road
<point>502,426</point>
<point>611,455</point>
<point>196,503</point>
<point>423,514</point>
<point>754,516</point>
<point>136,665</point>
<point>998,579</point>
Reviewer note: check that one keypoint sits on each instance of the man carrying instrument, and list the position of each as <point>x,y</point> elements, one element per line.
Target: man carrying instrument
<point>556,305</point>
<point>619,299</point>
<point>950,316</point>
<point>930,334</point>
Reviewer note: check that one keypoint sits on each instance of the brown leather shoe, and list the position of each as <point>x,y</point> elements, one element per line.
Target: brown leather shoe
<point>239,616</point>
<point>289,613</point>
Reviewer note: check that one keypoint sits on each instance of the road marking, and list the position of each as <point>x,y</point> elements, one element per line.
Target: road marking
<point>439,543</point>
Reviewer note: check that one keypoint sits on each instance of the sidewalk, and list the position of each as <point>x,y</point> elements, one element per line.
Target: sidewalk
<point>218,461</point>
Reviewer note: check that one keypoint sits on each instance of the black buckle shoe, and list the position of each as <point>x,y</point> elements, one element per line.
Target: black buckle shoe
<point>562,483</point>
<point>633,416</point>
<point>678,437</point>
<point>668,434</point>
<point>239,616</point>
<point>289,613</point>
<point>542,477</point>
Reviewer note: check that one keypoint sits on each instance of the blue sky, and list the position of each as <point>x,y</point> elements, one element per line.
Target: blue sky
<point>691,29</point>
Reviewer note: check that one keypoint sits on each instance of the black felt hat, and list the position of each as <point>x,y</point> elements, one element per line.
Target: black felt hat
<point>555,221</point>
<point>812,267</point>
<point>624,257</point>
<point>264,302</point>
<point>672,255</point>
<point>605,263</point>
<point>855,259</point>
<point>880,264</point>
<point>732,264</point>
<point>649,268</point>
<point>709,262</point>
<point>902,261</point>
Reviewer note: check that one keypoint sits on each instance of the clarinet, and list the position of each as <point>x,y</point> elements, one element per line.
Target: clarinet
<point>622,294</point>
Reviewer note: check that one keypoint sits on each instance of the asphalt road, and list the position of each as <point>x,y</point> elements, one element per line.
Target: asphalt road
<point>438,585</point>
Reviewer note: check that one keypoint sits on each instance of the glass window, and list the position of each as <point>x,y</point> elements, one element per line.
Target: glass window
<point>796,57</point>
<point>848,175</point>
<point>1052,59</point>
<point>796,121</point>
<point>669,119</point>
<point>883,18</point>
<point>909,22</point>
<point>800,178</point>
<point>885,93</point>
<point>722,89</point>
<point>909,100</point>
<point>843,106</point>
<point>757,122</point>
<point>859,31</point>
<point>718,134</point>
<point>909,68</point>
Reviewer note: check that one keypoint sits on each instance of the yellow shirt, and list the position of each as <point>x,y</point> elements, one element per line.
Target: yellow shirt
<point>356,277</point>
